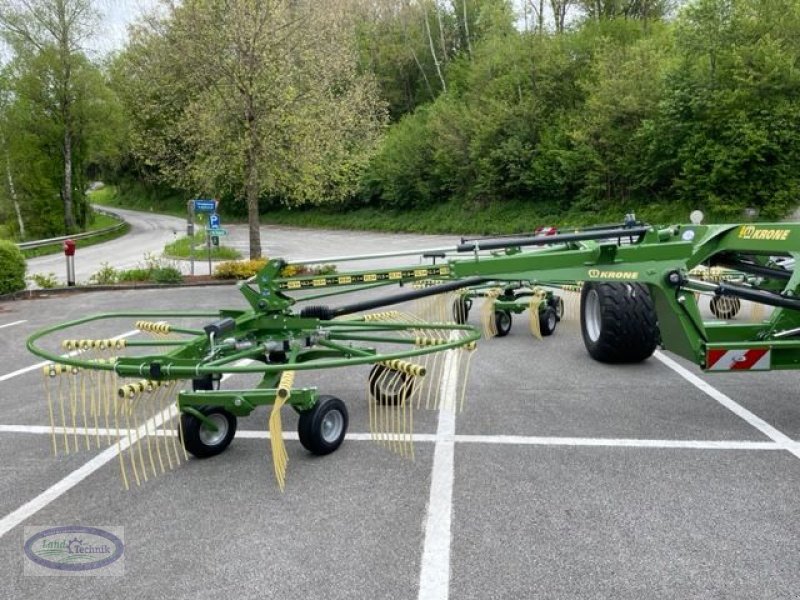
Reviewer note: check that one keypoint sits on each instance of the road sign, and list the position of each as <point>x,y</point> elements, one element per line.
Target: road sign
<point>216,231</point>
<point>213,221</point>
<point>205,206</point>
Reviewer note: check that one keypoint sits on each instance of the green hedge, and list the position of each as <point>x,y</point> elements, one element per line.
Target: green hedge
<point>12,268</point>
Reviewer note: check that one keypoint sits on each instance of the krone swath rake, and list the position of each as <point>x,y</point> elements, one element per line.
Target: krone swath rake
<point>636,286</point>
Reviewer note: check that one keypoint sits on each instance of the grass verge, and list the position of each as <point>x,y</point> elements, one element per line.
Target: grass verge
<point>101,221</point>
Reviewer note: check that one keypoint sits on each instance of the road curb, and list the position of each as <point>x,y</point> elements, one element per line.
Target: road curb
<point>45,293</point>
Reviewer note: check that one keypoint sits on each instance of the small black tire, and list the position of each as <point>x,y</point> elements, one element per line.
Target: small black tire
<point>461,308</point>
<point>725,307</point>
<point>548,319</point>
<point>322,428</point>
<point>557,303</point>
<point>200,440</point>
<point>618,322</point>
<point>502,322</point>
<point>401,387</point>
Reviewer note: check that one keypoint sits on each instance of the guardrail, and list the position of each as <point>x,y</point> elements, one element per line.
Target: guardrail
<point>78,236</point>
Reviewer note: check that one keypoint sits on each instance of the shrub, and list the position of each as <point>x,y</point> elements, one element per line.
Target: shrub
<point>166,275</point>
<point>12,268</point>
<point>107,275</point>
<point>136,274</point>
<point>239,269</point>
<point>46,281</point>
<point>244,269</point>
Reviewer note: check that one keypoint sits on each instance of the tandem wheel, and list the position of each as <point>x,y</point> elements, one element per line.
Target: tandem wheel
<point>502,321</point>
<point>389,389</point>
<point>202,441</point>
<point>322,428</point>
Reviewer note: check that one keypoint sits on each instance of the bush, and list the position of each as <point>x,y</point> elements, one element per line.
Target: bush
<point>239,269</point>
<point>244,269</point>
<point>107,275</point>
<point>46,281</point>
<point>12,268</point>
<point>166,275</point>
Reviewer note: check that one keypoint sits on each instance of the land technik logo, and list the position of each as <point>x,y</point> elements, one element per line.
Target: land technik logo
<point>74,550</point>
<point>751,232</point>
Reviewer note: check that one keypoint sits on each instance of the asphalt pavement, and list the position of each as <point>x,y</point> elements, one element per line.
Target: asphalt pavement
<point>563,478</point>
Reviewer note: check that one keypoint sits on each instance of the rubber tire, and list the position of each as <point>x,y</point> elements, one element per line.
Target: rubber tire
<point>548,319</point>
<point>461,308</point>
<point>557,303</point>
<point>309,426</point>
<point>628,326</point>
<point>191,427</point>
<point>388,398</point>
<point>503,322</point>
<point>725,307</point>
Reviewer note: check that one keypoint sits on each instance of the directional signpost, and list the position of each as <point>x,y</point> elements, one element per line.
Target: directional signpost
<point>201,206</point>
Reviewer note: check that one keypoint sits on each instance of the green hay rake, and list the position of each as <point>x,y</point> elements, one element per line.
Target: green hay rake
<point>636,286</point>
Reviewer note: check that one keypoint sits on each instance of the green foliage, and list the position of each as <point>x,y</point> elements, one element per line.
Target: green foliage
<point>181,248</point>
<point>107,275</point>
<point>166,274</point>
<point>244,269</point>
<point>12,268</point>
<point>44,281</point>
<point>154,269</point>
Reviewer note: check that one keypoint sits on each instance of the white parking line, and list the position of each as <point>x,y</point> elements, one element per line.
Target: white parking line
<point>501,440</point>
<point>768,430</point>
<point>14,323</point>
<point>52,493</point>
<point>24,370</point>
<point>75,477</point>
<point>434,575</point>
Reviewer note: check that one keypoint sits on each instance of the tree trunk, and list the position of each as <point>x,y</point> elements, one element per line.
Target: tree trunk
<point>66,190</point>
<point>466,30</point>
<point>251,183</point>
<point>433,53</point>
<point>12,191</point>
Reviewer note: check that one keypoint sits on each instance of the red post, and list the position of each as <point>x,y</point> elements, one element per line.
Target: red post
<point>69,252</point>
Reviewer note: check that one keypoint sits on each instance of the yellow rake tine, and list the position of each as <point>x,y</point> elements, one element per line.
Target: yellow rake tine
<point>49,394</point>
<point>83,405</point>
<point>119,449</point>
<point>134,412</point>
<point>63,413</point>
<point>147,403</point>
<point>131,454</point>
<point>73,408</point>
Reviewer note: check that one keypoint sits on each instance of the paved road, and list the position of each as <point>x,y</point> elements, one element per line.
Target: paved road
<point>151,232</point>
<point>148,234</point>
<point>562,479</point>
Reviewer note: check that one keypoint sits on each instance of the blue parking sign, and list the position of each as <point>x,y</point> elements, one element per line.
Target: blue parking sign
<point>213,221</point>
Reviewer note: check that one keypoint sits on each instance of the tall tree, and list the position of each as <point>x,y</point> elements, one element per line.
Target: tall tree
<point>263,99</point>
<point>59,28</point>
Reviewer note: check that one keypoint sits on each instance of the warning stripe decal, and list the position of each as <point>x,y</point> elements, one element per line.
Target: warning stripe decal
<point>752,359</point>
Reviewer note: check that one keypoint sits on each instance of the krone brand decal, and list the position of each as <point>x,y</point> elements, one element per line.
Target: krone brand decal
<point>751,232</point>
<point>598,274</point>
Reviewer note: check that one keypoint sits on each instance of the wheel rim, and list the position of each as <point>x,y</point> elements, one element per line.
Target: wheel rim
<point>592,315</point>
<point>332,426</point>
<point>551,321</point>
<point>210,437</point>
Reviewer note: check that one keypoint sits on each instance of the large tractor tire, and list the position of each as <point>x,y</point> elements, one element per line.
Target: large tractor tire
<point>618,322</point>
